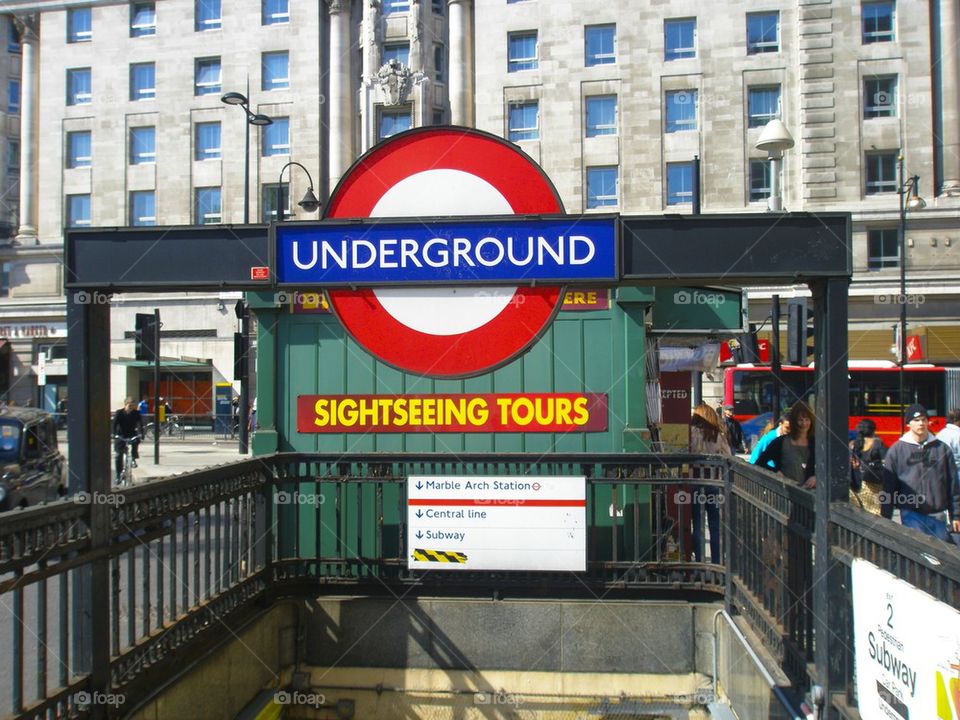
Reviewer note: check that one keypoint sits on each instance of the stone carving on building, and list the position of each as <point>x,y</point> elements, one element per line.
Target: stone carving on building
<point>416,20</point>
<point>28,26</point>
<point>396,81</point>
<point>338,6</point>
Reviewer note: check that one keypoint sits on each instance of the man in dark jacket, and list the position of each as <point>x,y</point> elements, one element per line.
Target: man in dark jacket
<point>127,425</point>
<point>920,479</point>
<point>734,431</point>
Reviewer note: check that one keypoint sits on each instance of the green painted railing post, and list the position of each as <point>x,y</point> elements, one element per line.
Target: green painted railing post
<point>264,307</point>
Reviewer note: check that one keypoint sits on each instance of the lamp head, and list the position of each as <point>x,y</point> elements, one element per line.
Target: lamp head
<point>233,98</point>
<point>914,201</point>
<point>258,119</point>
<point>774,138</point>
<point>309,203</point>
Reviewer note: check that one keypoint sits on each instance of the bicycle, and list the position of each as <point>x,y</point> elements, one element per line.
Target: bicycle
<point>125,479</point>
<point>170,427</point>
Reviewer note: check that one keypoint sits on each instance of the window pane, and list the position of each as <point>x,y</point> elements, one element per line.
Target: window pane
<point>143,81</point>
<point>524,121</point>
<point>78,210</point>
<point>601,186</point>
<point>79,25</point>
<point>207,206</point>
<point>276,71</point>
<point>763,105</point>
<point>143,208</point>
<point>763,32</point>
<point>398,52</point>
<point>78,149</point>
<point>437,6</point>
<point>522,51</point>
<point>143,19</point>
<point>276,137</point>
<point>268,202</point>
<point>13,157</point>
<point>207,15</point>
<point>883,249</point>
<point>143,145</point>
<point>679,39</point>
<point>600,44</point>
<point>78,86</point>
<point>207,78</point>
<point>681,110</point>
<point>13,36</point>
<point>759,180</point>
<point>395,6</point>
<point>13,97</point>
<point>439,64</point>
<point>879,97</point>
<point>275,11</point>
<point>878,19</point>
<point>679,183</point>
<point>207,145</point>
<point>881,173</point>
<point>393,122</point>
<point>601,115</point>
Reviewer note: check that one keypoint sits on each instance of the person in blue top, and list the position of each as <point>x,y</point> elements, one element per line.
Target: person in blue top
<point>782,428</point>
<point>143,407</point>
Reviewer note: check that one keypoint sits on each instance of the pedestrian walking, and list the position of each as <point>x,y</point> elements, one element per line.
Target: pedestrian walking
<point>734,430</point>
<point>866,467</point>
<point>769,435</point>
<point>707,437</point>
<point>792,454</point>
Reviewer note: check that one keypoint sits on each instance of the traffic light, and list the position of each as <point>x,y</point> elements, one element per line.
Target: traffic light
<point>799,335</point>
<point>239,357</point>
<point>744,348</point>
<point>146,337</point>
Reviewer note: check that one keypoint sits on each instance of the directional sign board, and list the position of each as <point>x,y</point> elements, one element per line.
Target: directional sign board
<point>496,523</point>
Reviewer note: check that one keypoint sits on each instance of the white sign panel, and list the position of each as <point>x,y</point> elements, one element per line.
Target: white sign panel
<point>907,648</point>
<point>497,523</point>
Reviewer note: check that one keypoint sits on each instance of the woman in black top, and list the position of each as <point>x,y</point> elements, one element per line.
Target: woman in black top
<point>792,454</point>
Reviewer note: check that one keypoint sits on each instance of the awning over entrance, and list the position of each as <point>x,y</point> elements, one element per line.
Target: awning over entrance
<point>165,363</point>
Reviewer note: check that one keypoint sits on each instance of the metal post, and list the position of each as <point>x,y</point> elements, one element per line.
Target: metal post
<point>775,202</point>
<point>902,246</point>
<point>696,185</point>
<point>246,159</point>
<point>775,355</point>
<point>243,314</point>
<point>156,386</point>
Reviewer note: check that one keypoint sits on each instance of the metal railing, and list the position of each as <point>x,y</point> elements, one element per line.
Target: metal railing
<point>107,597</point>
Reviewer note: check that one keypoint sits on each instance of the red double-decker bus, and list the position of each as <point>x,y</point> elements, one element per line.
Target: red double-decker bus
<point>874,394</point>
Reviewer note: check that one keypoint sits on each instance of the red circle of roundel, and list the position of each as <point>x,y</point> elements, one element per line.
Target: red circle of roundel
<point>525,188</point>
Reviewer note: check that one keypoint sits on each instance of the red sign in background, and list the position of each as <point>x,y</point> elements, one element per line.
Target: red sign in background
<point>460,413</point>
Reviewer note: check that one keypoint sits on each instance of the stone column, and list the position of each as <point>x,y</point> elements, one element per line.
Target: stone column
<point>950,96</point>
<point>340,101</point>
<point>28,26</point>
<point>461,62</point>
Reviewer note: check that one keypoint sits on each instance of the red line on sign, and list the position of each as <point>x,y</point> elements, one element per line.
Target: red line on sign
<point>527,503</point>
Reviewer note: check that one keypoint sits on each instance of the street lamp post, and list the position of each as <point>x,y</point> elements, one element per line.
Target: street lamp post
<point>909,192</point>
<point>235,98</point>
<point>309,202</point>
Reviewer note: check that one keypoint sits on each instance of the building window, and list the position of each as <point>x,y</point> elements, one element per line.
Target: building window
<point>881,172</point>
<point>438,117</point>
<point>13,36</point>
<point>268,201</point>
<point>883,249</point>
<point>393,122</point>
<point>602,186</point>
<point>522,51</point>
<point>78,149</point>
<point>276,137</point>
<point>395,6</point>
<point>397,51</point>
<point>600,45</point>
<point>679,183</point>
<point>439,64</point>
<point>78,211</point>
<point>5,270</point>
<point>143,81</point>
<point>143,145</point>
<point>880,97</point>
<point>207,143</point>
<point>276,71</point>
<point>601,115</point>
<point>13,97</point>
<point>13,157</point>
<point>763,32</point>
<point>276,12</point>
<point>143,19</point>
<point>79,25</point>
<point>679,39</point>
<point>207,206</point>
<point>206,14</point>
<point>143,208</point>
<point>78,86</point>
<point>763,105</point>
<point>437,6</point>
<point>759,180</point>
<point>878,18</point>
<point>681,110</point>
<point>524,121</point>
<point>207,76</point>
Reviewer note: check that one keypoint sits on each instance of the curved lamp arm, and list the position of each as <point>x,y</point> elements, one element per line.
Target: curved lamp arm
<point>309,203</point>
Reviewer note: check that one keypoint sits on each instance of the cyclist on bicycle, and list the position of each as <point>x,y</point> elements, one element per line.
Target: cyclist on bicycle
<point>127,426</point>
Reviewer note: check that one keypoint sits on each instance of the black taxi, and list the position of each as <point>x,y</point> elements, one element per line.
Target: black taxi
<point>32,469</point>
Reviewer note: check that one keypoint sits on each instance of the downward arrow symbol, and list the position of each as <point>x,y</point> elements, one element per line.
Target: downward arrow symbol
<point>419,534</point>
<point>419,485</point>
<point>419,513</point>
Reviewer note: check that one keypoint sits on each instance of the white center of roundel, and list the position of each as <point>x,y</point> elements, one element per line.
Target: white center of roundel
<point>443,310</point>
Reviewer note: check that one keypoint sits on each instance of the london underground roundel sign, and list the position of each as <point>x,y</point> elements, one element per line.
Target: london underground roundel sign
<point>447,331</point>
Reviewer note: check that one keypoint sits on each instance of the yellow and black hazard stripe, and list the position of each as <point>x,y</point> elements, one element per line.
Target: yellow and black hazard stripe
<point>441,556</point>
